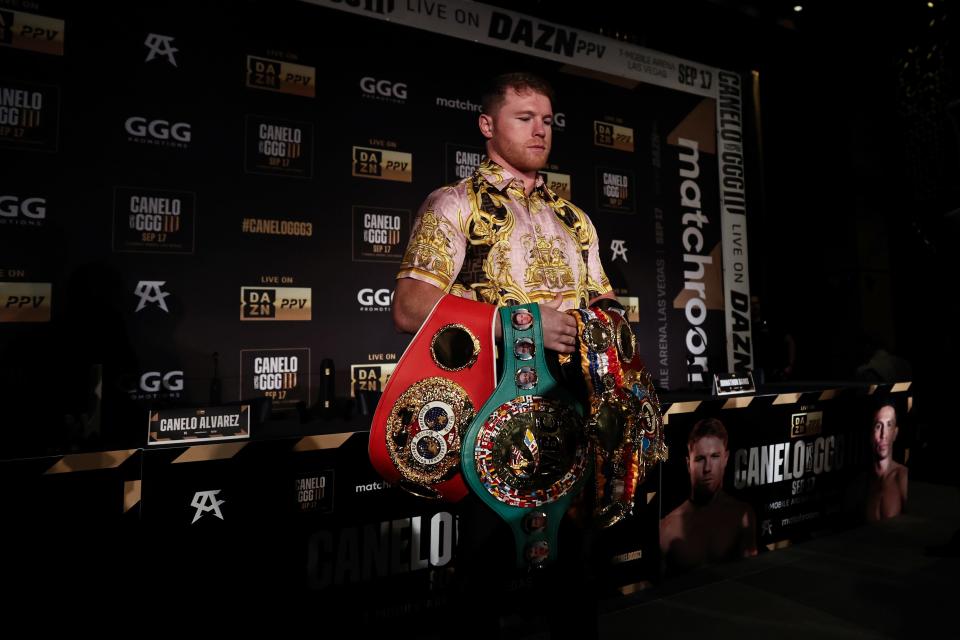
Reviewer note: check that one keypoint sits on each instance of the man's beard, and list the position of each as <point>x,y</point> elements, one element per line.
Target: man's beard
<point>522,160</point>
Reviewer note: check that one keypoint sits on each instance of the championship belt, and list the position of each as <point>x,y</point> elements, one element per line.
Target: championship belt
<point>623,425</point>
<point>430,400</point>
<point>638,382</point>
<point>612,424</point>
<point>525,454</point>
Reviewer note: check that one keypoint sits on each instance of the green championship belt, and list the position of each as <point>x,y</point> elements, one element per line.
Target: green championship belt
<point>526,453</point>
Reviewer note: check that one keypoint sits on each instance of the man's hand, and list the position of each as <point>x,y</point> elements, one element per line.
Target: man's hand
<point>559,328</point>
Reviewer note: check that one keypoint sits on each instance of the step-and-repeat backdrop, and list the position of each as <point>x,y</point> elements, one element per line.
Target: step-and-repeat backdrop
<point>208,203</point>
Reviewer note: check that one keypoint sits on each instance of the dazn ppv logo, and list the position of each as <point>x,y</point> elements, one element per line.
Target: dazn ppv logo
<point>275,303</point>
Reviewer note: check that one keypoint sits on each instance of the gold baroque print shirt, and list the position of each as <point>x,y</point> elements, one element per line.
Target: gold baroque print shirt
<point>484,239</point>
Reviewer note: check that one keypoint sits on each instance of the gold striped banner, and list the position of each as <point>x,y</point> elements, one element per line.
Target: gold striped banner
<point>787,398</point>
<point>131,494</point>
<point>635,587</point>
<point>327,441</point>
<point>206,452</point>
<point>683,407</point>
<point>738,403</point>
<point>90,461</point>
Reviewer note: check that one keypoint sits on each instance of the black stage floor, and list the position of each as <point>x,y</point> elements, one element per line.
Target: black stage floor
<point>874,581</point>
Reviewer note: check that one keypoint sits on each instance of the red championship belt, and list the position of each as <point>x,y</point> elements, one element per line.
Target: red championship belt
<point>444,376</point>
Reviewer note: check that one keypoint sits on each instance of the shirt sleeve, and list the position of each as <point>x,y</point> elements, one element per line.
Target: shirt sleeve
<point>437,244</point>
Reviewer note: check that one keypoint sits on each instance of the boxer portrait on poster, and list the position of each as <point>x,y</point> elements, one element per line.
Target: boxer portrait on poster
<point>710,525</point>
<point>887,479</point>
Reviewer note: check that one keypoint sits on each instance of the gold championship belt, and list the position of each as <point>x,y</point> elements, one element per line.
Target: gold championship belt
<point>624,424</point>
<point>638,381</point>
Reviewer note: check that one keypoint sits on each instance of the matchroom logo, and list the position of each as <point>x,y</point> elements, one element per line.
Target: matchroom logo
<point>382,165</point>
<point>283,375</point>
<point>282,77</point>
<point>612,136</point>
<point>25,301</point>
<point>275,303</point>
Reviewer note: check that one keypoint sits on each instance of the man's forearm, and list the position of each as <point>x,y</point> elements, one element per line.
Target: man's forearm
<point>414,300</point>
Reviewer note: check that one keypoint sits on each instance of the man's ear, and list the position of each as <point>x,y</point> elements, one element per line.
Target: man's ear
<point>486,125</point>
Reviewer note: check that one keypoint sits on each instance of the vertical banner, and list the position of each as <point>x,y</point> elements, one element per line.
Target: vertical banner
<point>690,304</point>
<point>736,275</point>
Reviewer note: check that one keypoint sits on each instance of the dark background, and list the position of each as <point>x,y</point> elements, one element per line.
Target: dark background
<point>853,196</point>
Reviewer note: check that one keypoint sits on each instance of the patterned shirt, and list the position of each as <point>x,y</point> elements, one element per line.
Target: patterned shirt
<point>484,239</point>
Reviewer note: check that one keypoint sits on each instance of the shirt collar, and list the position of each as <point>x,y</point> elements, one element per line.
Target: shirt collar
<point>500,178</point>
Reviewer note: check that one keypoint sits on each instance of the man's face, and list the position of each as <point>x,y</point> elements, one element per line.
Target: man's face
<point>706,460</point>
<point>522,319</point>
<point>520,131</point>
<point>884,432</point>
